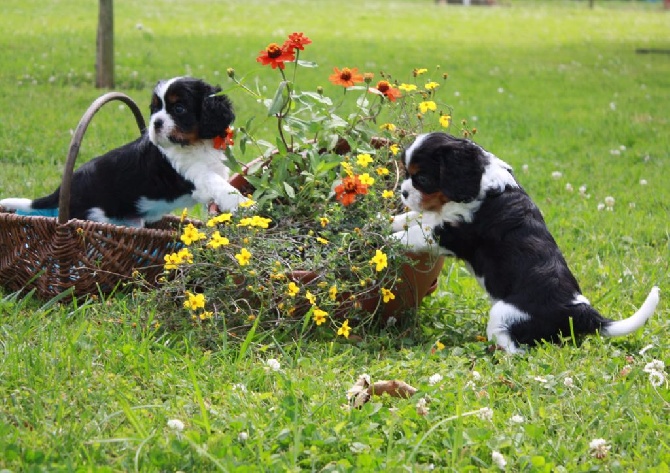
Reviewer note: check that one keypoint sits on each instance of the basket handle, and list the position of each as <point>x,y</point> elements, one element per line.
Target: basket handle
<point>75,144</point>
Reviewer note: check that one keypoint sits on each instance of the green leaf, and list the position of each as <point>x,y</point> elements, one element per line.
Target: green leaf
<point>289,190</point>
<point>279,100</point>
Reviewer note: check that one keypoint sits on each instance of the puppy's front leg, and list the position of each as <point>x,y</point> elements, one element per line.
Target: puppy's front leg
<point>418,238</point>
<point>214,187</point>
<point>404,221</point>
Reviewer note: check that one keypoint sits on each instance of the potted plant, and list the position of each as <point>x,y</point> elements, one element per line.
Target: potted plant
<point>312,244</point>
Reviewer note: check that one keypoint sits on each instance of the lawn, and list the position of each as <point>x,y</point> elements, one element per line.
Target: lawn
<point>558,90</point>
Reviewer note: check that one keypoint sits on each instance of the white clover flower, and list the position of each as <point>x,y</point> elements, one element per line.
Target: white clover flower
<point>601,206</point>
<point>524,168</point>
<point>273,364</point>
<point>654,365</point>
<point>540,379</point>
<point>434,379</point>
<point>422,407</point>
<point>612,106</point>
<point>615,152</point>
<point>486,413</point>
<point>557,174</point>
<point>643,182</point>
<point>599,448</point>
<point>582,191</point>
<point>242,436</point>
<point>476,376</point>
<point>568,187</point>
<point>657,378</point>
<point>498,459</point>
<point>517,419</point>
<point>469,385</point>
<point>568,382</point>
<point>500,90</point>
<point>240,387</point>
<point>609,202</point>
<point>175,424</point>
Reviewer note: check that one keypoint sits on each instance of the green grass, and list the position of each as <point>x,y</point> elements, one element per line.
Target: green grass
<point>551,85</point>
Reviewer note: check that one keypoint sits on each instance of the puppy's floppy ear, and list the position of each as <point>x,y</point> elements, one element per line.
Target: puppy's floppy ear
<point>461,170</point>
<point>217,114</point>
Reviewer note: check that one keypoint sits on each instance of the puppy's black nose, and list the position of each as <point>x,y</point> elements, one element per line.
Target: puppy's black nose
<point>405,194</point>
<point>158,123</point>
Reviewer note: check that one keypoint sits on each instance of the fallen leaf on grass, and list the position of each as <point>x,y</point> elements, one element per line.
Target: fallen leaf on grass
<point>363,389</point>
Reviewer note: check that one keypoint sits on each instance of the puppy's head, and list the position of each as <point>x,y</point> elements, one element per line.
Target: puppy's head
<point>441,169</point>
<point>185,111</point>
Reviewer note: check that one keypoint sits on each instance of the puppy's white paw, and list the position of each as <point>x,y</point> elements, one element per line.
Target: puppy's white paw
<point>404,221</point>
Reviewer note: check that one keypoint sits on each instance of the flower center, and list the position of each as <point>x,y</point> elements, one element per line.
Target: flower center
<point>345,74</point>
<point>350,185</point>
<point>273,50</point>
<point>383,86</point>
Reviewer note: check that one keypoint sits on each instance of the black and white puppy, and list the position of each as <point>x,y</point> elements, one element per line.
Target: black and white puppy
<point>173,165</point>
<point>465,202</point>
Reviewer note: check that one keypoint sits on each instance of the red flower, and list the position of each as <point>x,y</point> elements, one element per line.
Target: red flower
<point>276,56</point>
<point>389,92</point>
<point>222,142</point>
<point>345,77</point>
<point>297,41</point>
<point>350,187</point>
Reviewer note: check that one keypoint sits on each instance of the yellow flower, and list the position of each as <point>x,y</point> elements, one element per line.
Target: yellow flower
<point>379,260</point>
<point>171,261</point>
<point>344,329</point>
<point>418,72</point>
<point>427,105</point>
<point>407,87</point>
<point>387,295</point>
<point>247,203</point>
<point>332,292</point>
<point>388,126</point>
<point>387,194</point>
<point>445,120</point>
<point>395,149</point>
<point>363,160</point>
<point>432,85</point>
<point>255,221</point>
<point>194,301</point>
<point>439,345</point>
<point>319,316</point>
<point>293,289</point>
<point>206,315</point>
<point>191,234</point>
<point>185,255</point>
<point>324,221</point>
<point>383,171</point>
<point>184,214</point>
<point>221,218</point>
<point>323,241</point>
<point>366,179</point>
<point>243,257</point>
<point>310,297</point>
<point>217,240</point>
<point>347,168</point>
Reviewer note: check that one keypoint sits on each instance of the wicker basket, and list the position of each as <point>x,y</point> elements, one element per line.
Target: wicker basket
<point>54,255</point>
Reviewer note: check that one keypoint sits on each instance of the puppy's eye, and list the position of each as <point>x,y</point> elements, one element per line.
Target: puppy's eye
<point>179,109</point>
<point>424,183</point>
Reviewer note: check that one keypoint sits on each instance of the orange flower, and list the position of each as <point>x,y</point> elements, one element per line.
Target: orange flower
<point>276,56</point>
<point>389,92</point>
<point>345,77</point>
<point>297,41</point>
<point>350,187</point>
<point>222,142</point>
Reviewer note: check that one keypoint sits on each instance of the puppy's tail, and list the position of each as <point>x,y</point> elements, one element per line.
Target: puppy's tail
<point>26,207</point>
<point>617,328</point>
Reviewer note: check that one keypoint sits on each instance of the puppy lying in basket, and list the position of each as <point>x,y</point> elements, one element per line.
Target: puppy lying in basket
<point>465,202</point>
<point>173,165</point>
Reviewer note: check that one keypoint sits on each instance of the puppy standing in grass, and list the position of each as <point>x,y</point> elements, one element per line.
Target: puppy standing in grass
<point>465,202</point>
<point>173,165</point>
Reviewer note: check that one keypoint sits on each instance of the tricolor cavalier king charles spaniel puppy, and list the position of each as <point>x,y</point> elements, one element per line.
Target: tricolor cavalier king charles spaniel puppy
<point>465,202</point>
<point>172,165</point>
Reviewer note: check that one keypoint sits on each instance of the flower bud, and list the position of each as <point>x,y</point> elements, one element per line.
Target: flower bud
<point>319,90</point>
<point>231,72</point>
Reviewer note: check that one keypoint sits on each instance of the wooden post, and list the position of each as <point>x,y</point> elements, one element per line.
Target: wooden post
<point>104,61</point>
